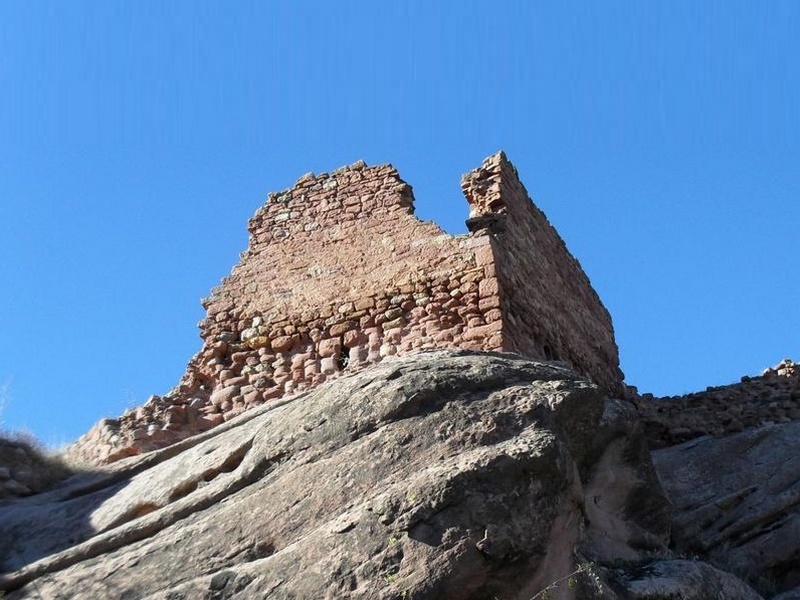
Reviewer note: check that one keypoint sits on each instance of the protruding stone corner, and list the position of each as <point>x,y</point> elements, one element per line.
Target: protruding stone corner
<point>542,298</point>
<point>493,161</point>
<point>481,188</point>
<point>488,190</point>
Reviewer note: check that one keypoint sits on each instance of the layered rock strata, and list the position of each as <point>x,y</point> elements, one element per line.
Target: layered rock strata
<point>340,274</point>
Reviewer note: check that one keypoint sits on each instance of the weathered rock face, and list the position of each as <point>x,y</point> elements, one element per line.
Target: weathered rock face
<point>339,274</point>
<point>442,475</point>
<point>678,579</point>
<point>737,501</point>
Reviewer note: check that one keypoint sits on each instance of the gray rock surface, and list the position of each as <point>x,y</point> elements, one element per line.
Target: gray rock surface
<point>684,580</point>
<point>737,501</point>
<point>442,475</point>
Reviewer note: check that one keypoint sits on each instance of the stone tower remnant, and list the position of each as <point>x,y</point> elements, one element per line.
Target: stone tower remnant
<point>339,273</point>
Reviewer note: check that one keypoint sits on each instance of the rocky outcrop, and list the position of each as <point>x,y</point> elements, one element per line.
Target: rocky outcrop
<point>737,501</point>
<point>322,444</point>
<point>678,579</point>
<point>440,475</point>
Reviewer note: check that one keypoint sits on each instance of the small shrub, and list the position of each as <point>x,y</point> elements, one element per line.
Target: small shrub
<point>21,452</point>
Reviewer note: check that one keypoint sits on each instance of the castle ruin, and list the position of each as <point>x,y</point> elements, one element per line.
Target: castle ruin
<point>339,274</point>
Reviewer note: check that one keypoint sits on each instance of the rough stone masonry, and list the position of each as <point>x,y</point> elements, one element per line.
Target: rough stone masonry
<point>339,273</point>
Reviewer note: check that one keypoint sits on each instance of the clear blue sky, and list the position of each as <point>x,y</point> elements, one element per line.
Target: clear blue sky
<point>136,139</point>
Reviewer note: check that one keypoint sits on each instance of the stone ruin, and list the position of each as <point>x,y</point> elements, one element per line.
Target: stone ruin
<point>339,274</point>
<point>769,399</point>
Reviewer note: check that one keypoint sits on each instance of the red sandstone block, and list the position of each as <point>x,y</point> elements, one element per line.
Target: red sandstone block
<point>418,314</point>
<point>451,304</point>
<point>358,355</point>
<point>272,392</point>
<point>341,328</point>
<point>486,304</point>
<point>298,360</point>
<point>393,313</point>
<point>480,333</point>
<point>470,309</point>
<point>476,275</point>
<point>475,321</point>
<point>220,396</point>
<point>328,365</point>
<point>209,421</point>
<point>354,338</point>
<point>493,315</point>
<point>392,336</point>
<point>252,397</point>
<point>282,343</point>
<point>444,336</point>
<point>364,303</point>
<point>394,324</point>
<point>433,309</point>
<point>329,347</point>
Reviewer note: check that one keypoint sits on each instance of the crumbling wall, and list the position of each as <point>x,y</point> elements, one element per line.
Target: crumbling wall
<point>771,398</point>
<point>549,308</point>
<point>340,274</point>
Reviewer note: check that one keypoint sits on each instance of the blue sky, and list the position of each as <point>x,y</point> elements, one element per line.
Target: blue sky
<point>137,138</point>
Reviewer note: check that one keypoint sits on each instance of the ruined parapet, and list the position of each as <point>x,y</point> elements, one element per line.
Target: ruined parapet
<point>339,274</point>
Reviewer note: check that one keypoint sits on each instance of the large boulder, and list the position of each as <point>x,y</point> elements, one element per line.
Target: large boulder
<point>448,474</point>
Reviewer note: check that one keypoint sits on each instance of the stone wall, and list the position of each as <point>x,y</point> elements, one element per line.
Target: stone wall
<point>773,397</point>
<point>549,308</point>
<point>340,274</point>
